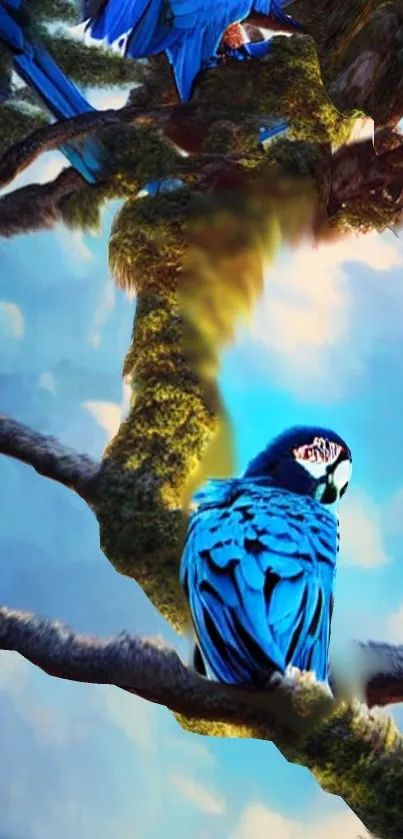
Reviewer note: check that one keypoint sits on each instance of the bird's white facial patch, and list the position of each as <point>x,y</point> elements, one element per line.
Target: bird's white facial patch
<point>342,474</point>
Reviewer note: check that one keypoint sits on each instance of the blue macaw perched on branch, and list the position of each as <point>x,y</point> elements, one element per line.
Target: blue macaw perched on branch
<point>259,561</point>
<point>188,31</point>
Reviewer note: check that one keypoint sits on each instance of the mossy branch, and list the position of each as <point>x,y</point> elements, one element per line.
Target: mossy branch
<point>38,206</point>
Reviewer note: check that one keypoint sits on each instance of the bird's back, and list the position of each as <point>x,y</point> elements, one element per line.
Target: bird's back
<point>258,569</point>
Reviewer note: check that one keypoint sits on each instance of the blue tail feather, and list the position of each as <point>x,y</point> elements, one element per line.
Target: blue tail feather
<point>61,97</point>
<point>114,20</point>
<point>190,54</point>
<point>153,31</point>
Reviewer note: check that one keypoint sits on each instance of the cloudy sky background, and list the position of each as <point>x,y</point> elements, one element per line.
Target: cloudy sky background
<point>325,347</point>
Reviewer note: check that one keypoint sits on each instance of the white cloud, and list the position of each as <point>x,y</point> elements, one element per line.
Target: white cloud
<point>109,415</point>
<point>11,320</point>
<point>307,312</point>
<point>46,381</point>
<point>202,798</point>
<point>46,168</point>
<point>48,723</point>
<point>79,243</point>
<point>134,716</point>
<point>395,626</point>
<point>363,128</point>
<point>13,673</point>
<point>261,823</point>
<point>361,532</point>
<point>74,247</point>
<point>112,98</point>
<point>106,305</point>
<point>393,512</point>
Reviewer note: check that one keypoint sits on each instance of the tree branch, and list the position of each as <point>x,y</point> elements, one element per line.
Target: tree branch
<point>36,206</point>
<point>155,672</point>
<point>145,667</point>
<point>49,457</point>
<point>22,154</point>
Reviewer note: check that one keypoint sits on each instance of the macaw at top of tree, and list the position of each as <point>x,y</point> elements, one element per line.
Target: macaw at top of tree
<point>189,31</point>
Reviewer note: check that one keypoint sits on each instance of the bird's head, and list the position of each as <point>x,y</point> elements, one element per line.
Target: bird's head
<point>307,460</point>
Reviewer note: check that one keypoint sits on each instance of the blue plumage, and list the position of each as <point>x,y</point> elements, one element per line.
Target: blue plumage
<point>61,97</point>
<point>260,557</point>
<point>189,31</point>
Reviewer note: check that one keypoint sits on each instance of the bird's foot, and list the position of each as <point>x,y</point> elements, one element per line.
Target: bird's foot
<point>266,132</point>
<point>275,680</point>
<point>256,49</point>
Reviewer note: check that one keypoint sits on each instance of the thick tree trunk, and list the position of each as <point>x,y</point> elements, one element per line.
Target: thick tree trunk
<point>147,465</point>
<point>359,44</point>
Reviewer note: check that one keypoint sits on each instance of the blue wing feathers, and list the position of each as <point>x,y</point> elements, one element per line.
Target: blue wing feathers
<point>38,69</point>
<point>258,569</point>
<point>189,31</point>
<point>152,32</point>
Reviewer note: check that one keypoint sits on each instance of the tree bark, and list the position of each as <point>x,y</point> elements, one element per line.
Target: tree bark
<point>49,458</point>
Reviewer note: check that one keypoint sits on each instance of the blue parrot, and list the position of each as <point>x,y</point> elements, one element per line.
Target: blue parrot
<point>188,31</point>
<point>259,561</point>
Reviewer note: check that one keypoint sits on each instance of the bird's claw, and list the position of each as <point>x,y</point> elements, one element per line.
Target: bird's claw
<point>257,49</point>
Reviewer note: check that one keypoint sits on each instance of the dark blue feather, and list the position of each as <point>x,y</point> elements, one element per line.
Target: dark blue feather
<point>61,97</point>
<point>189,31</point>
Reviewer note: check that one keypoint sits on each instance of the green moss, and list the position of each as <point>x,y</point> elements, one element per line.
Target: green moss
<point>173,417</point>
<point>137,154</point>
<point>351,767</point>
<point>81,210</point>
<point>147,241</point>
<point>16,122</point>
<point>287,84</point>
<point>158,86</point>
<point>91,65</point>
<point>54,10</point>
<point>364,216</point>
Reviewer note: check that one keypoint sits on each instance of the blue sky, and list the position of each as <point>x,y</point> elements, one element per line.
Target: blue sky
<point>325,347</point>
